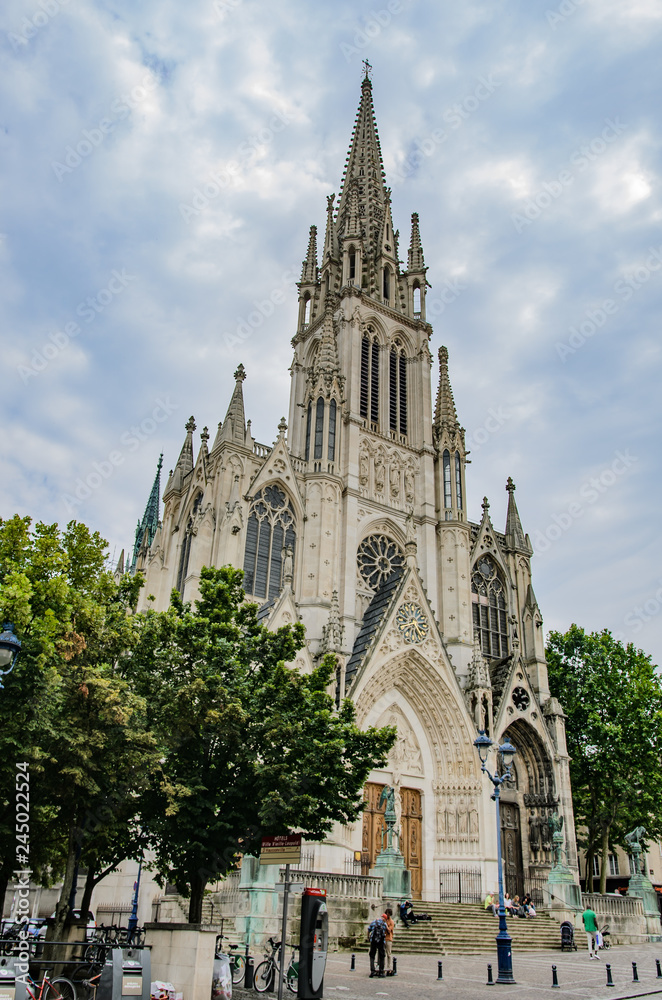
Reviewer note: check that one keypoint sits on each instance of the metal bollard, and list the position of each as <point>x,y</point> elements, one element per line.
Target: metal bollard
<point>248,974</point>
<point>440,971</point>
<point>490,981</point>
<point>555,979</point>
<point>659,968</point>
<point>610,981</point>
<point>352,964</point>
<point>635,974</point>
<point>395,966</point>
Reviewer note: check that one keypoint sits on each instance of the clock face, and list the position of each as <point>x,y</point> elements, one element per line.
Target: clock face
<point>521,699</point>
<point>412,622</point>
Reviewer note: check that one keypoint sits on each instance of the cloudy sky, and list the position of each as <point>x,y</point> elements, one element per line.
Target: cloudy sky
<point>526,133</point>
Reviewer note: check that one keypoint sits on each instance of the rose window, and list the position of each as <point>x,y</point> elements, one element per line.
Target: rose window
<point>378,558</point>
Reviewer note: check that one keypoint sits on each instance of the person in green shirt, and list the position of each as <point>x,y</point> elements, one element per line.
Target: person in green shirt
<point>591,928</point>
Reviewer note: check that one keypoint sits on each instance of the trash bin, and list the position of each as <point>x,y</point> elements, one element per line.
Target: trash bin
<point>125,974</point>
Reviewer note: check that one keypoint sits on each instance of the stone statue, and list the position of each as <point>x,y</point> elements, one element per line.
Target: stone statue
<point>390,815</point>
<point>388,796</point>
<point>633,839</point>
<point>555,823</point>
<point>634,836</point>
<point>288,565</point>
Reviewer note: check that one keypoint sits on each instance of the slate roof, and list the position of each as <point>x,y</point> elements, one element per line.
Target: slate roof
<point>265,610</point>
<point>374,616</point>
<point>499,673</point>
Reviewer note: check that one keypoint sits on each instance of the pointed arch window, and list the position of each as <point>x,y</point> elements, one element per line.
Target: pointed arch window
<point>369,395</point>
<point>417,301</point>
<point>309,416</point>
<point>271,527</point>
<point>306,310</point>
<point>185,552</point>
<point>332,430</point>
<point>458,480</point>
<point>448,496</point>
<point>398,389</point>
<point>352,264</point>
<point>488,597</point>
<point>319,427</point>
<point>386,284</point>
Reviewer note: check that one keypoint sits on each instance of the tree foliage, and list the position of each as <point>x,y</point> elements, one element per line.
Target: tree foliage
<point>612,695</point>
<point>66,711</point>
<point>251,747</point>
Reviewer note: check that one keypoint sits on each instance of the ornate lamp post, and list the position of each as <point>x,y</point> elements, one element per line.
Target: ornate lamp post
<point>10,647</point>
<point>506,751</point>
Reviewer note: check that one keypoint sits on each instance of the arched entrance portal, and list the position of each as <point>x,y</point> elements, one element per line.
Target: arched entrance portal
<point>527,803</point>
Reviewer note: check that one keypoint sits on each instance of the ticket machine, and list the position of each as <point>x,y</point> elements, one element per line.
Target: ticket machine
<point>313,943</point>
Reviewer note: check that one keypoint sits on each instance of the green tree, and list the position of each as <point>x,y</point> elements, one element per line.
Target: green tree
<point>612,695</point>
<point>66,711</point>
<point>250,746</point>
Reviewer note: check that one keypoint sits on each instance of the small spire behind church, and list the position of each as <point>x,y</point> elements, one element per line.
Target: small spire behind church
<point>415,261</point>
<point>146,528</point>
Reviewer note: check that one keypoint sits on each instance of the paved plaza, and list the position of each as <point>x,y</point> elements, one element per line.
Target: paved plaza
<point>465,977</point>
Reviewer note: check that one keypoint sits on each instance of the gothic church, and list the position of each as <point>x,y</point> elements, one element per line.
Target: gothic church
<point>355,522</point>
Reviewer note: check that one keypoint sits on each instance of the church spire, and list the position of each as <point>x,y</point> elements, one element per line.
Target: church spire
<point>515,537</point>
<point>364,166</point>
<point>185,461</point>
<point>445,414</point>
<point>233,428</point>
<point>415,261</point>
<point>309,268</point>
<point>150,521</point>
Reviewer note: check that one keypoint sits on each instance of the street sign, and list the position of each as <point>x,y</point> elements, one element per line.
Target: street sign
<point>284,849</point>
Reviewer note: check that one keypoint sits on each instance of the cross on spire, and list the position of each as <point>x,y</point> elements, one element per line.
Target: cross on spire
<point>367,70</point>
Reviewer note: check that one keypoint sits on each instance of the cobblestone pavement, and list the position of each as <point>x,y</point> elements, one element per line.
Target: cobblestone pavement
<point>465,977</point>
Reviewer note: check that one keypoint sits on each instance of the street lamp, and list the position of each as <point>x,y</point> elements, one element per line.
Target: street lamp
<point>10,647</point>
<point>506,751</point>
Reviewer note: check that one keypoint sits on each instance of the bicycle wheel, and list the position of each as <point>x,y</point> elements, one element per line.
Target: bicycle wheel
<point>239,969</point>
<point>264,975</point>
<point>60,989</point>
<point>292,978</point>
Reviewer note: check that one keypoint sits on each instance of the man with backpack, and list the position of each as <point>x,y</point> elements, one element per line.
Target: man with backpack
<point>377,937</point>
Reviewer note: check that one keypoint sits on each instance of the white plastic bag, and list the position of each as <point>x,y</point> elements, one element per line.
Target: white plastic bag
<point>598,939</point>
<point>221,985</point>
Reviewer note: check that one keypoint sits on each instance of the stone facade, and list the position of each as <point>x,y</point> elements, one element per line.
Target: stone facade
<point>355,522</point>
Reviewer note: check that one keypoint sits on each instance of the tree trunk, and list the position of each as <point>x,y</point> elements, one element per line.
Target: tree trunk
<point>605,858</point>
<point>198,884</point>
<point>90,884</point>
<point>590,854</point>
<point>62,907</point>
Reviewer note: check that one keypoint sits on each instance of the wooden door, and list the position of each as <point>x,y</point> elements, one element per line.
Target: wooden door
<point>411,826</point>
<point>511,849</point>
<point>411,822</point>
<point>373,826</point>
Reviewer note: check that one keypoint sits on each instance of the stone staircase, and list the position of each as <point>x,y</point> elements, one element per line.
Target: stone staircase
<point>468,929</point>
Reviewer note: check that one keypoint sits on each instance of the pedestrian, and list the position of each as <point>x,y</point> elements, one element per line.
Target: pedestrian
<point>377,937</point>
<point>591,928</point>
<point>387,917</point>
<point>489,904</point>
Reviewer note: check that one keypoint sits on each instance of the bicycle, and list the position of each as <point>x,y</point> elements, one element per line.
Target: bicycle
<point>237,960</point>
<point>51,989</point>
<point>266,971</point>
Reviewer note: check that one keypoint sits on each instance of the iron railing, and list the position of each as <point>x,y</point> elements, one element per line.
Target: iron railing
<point>460,885</point>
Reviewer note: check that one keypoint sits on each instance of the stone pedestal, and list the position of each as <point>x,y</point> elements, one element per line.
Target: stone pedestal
<point>390,866</point>
<point>183,954</point>
<point>561,894</point>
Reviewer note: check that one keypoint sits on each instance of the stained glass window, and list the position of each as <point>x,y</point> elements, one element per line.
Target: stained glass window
<point>270,529</point>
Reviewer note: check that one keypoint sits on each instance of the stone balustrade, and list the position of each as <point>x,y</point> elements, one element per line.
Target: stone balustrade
<point>613,906</point>
<point>345,886</point>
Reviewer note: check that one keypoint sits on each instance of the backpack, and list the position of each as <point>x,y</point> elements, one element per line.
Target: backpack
<point>377,931</point>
